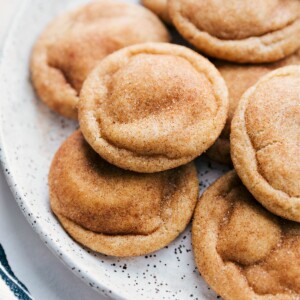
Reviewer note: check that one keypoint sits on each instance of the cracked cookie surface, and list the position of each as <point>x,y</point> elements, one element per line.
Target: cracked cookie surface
<point>118,212</point>
<point>265,141</point>
<point>153,107</point>
<point>241,249</point>
<point>74,42</point>
<point>247,32</point>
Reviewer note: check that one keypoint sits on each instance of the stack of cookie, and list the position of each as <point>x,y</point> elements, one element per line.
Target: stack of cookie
<point>125,184</point>
<point>263,37</point>
<point>246,232</point>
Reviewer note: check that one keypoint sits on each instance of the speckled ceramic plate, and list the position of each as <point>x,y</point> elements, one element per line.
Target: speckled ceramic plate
<point>30,135</point>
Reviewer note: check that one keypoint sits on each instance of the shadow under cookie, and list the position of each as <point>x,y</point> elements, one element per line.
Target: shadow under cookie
<point>159,7</point>
<point>238,79</point>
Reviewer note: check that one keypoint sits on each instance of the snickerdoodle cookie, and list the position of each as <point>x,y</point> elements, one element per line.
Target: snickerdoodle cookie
<point>241,249</point>
<point>114,211</point>
<point>265,141</point>
<point>238,79</point>
<point>73,43</point>
<point>247,31</point>
<point>159,7</point>
<point>153,107</point>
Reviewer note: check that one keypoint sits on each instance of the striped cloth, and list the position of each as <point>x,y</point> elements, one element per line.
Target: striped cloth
<point>11,288</point>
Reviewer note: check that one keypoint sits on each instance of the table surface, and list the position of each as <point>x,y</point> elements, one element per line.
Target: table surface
<point>32,262</point>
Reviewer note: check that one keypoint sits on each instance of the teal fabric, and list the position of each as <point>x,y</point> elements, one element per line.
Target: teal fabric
<point>18,289</point>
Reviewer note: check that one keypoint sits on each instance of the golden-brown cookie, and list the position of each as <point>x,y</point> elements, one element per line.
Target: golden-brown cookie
<point>241,249</point>
<point>159,7</point>
<point>153,107</point>
<point>73,43</point>
<point>114,211</point>
<point>250,31</point>
<point>238,79</point>
<point>265,141</point>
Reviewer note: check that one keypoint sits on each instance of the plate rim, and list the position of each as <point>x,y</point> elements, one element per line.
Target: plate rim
<point>104,289</point>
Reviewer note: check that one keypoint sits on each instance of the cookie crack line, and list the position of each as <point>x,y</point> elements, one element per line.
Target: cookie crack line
<point>64,74</point>
<point>112,235</point>
<point>240,267</point>
<point>279,73</point>
<point>105,234</point>
<point>204,237</point>
<point>263,43</point>
<point>142,154</point>
<point>258,164</point>
<point>228,215</point>
<point>138,154</point>
<point>267,145</point>
<point>145,154</point>
<point>289,24</point>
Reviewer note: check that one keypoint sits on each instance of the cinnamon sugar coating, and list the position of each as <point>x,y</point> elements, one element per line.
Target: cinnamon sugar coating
<point>153,107</point>
<point>241,32</point>
<point>265,141</point>
<point>74,42</point>
<point>114,211</point>
<point>238,79</point>
<point>241,249</point>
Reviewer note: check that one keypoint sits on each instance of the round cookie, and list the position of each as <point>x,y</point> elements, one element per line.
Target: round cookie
<point>153,107</point>
<point>241,249</point>
<point>159,7</point>
<point>252,32</point>
<point>265,141</point>
<point>118,212</point>
<point>74,42</point>
<point>238,79</point>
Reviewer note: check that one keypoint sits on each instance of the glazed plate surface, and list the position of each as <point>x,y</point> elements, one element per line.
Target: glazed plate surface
<point>30,135</point>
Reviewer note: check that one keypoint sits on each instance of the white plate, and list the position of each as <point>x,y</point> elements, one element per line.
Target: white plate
<point>30,135</point>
